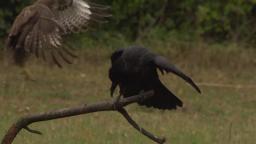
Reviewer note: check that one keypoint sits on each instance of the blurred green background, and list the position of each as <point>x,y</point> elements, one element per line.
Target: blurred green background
<point>211,21</point>
<point>213,41</point>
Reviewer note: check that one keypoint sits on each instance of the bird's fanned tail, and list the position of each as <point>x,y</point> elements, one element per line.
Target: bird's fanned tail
<point>162,99</point>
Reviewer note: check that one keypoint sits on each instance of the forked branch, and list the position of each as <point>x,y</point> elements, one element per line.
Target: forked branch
<point>141,130</point>
<point>24,122</point>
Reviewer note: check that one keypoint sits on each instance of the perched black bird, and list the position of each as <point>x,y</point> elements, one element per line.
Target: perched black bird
<point>134,70</point>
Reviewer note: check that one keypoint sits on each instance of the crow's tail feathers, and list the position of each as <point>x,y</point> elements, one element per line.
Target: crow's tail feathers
<point>162,99</point>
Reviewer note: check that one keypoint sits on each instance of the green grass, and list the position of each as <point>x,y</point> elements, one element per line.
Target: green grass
<point>218,116</point>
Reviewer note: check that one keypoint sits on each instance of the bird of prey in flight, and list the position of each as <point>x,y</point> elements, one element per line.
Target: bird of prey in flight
<point>39,29</point>
<point>134,70</point>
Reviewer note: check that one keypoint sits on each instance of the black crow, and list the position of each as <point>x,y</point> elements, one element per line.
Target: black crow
<point>134,70</point>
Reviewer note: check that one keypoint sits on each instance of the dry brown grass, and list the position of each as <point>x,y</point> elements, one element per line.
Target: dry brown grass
<point>218,116</point>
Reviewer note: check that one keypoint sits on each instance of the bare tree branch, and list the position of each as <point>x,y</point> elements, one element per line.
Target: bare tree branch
<point>141,130</point>
<point>24,122</point>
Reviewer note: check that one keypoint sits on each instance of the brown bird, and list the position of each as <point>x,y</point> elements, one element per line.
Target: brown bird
<point>39,29</point>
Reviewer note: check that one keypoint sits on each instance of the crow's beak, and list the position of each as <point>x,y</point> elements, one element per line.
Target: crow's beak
<point>112,89</point>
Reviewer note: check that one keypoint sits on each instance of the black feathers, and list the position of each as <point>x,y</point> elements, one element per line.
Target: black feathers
<point>163,65</point>
<point>134,70</point>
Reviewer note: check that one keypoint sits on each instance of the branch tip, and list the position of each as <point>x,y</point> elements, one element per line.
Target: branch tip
<point>33,131</point>
<point>140,129</point>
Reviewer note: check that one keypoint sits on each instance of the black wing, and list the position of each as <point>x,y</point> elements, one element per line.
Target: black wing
<point>163,65</point>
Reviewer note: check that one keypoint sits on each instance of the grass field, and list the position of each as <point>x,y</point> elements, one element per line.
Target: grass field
<point>220,115</point>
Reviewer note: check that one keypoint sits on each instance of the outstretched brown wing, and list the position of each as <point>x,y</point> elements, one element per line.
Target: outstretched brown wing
<point>36,31</point>
<point>20,27</point>
<point>77,16</point>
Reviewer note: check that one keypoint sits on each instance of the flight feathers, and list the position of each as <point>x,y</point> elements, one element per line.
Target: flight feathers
<point>134,70</point>
<point>40,27</point>
<point>163,65</point>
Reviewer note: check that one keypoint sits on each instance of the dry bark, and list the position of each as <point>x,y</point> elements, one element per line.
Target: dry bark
<point>113,105</point>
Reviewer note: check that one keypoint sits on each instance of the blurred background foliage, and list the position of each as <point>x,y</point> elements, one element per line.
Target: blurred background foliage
<point>189,20</point>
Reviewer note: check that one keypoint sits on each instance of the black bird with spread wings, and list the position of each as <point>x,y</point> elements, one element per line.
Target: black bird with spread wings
<point>134,70</point>
<point>40,27</point>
